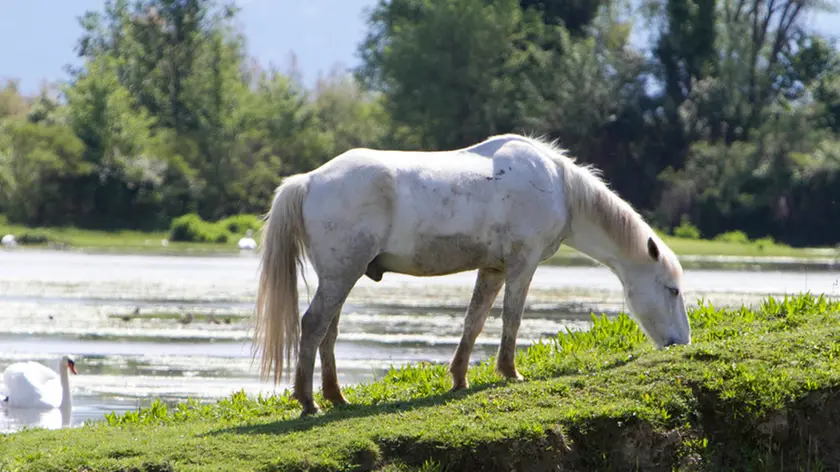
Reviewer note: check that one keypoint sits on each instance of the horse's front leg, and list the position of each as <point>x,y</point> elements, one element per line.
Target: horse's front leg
<point>517,281</point>
<point>487,286</point>
<point>315,324</point>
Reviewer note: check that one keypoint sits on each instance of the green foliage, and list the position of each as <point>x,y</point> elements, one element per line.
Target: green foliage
<point>735,237</point>
<point>686,230</point>
<point>175,120</point>
<point>41,160</point>
<point>606,334</point>
<point>239,224</point>
<point>32,237</point>
<point>12,103</point>
<point>191,228</point>
<point>349,116</point>
<point>574,15</point>
<point>453,68</point>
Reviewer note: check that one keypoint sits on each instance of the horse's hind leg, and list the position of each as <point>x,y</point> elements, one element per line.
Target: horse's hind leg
<point>517,281</point>
<point>487,286</point>
<point>315,324</point>
<point>329,376</point>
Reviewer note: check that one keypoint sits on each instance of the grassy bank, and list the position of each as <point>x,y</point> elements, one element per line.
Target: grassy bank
<point>151,242</point>
<point>758,390</point>
<point>205,238</point>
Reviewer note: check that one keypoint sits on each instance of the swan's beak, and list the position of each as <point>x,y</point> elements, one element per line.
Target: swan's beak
<point>72,366</point>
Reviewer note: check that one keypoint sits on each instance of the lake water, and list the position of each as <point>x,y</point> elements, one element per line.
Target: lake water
<point>146,327</point>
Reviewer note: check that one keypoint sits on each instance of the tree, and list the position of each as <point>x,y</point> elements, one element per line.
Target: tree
<point>117,137</point>
<point>157,43</point>
<point>283,136</point>
<point>40,160</point>
<point>686,48</point>
<point>574,15</point>
<point>350,116</point>
<point>449,70</point>
<point>12,103</point>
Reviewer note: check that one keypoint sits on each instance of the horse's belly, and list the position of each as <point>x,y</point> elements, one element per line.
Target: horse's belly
<point>432,255</point>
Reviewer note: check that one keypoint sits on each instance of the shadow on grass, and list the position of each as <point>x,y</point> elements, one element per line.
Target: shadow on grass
<point>351,411</point>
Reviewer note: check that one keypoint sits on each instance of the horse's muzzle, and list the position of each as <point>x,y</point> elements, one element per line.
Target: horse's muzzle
<point>675,341</point>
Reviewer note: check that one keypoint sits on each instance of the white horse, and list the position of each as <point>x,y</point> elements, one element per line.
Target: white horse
<point>501,206</point>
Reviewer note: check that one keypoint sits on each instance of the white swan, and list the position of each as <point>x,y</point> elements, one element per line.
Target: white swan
<point>247,242</point>
<point>32,385</point>
<point>8,240</point>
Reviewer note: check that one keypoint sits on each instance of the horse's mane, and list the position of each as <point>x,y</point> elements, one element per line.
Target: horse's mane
<point>589,196</point>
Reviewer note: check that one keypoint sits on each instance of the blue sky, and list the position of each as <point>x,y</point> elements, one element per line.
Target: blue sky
<point>38,36</point>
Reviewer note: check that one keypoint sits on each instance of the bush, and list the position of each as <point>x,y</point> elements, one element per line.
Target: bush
<point>765,242</point>
<point>239,224</point>
<point>686,230</point>
<point>736,237</point>
<point>191,228</point>
<point>33,238</point>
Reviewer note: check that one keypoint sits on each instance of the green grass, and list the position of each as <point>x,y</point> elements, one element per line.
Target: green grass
<point>757,390</point>
<point>114,241</point>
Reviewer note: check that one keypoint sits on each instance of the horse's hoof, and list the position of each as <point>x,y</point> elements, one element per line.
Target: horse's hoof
<point>458,387</point>
<point>309,411</point>
<point>516,377</point>
<point>338,401</point>
<point>512,377</point>
<point>507,373</point>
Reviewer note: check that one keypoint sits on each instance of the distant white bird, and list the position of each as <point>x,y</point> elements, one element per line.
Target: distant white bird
<point>9,240</point>
<point>247,243</point>
<point>33,385</point>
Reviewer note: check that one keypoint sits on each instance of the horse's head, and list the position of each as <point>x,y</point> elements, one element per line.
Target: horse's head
<point>653,290</point>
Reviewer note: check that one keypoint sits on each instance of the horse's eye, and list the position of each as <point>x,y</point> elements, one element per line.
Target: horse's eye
<point>674,291</point>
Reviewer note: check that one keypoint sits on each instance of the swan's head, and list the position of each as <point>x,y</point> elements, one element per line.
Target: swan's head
<point>70,364</point>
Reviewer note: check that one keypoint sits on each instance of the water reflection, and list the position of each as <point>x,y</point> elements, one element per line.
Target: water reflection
<point>16,418</point>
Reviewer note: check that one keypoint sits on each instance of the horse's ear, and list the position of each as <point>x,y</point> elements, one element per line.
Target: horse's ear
<point>653,249</point>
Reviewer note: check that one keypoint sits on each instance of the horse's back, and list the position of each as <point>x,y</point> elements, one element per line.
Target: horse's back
<point>433,213</point>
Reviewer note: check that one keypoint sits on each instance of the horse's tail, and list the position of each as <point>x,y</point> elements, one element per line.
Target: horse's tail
<point>283,243</point>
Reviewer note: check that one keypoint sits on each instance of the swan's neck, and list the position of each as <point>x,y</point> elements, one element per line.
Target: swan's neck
<point>66,401</point>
